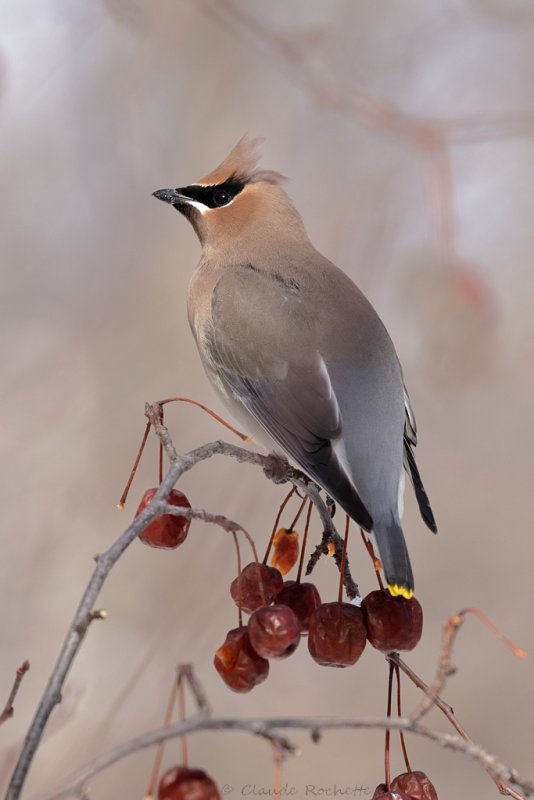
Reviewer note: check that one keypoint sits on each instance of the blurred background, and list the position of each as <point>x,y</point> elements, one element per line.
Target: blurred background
<point>407,130</point>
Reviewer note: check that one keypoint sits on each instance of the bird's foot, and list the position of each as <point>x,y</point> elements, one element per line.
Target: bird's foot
<point>278,470</point>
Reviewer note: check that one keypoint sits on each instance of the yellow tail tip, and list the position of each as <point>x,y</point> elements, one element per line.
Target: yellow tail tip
<point>400,591</point>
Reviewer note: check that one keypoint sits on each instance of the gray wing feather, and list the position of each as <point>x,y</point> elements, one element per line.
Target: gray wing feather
<point>410,441</point>
<point>305,436</point>
<point>277,377</point>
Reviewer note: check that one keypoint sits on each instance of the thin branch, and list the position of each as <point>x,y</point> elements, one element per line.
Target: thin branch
<point>449,713</point>
<point>446,668</point>
<point>9,709</point>
<point>265,727</point>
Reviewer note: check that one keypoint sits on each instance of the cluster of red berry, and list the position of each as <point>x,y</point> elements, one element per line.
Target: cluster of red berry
<point>282,611</point>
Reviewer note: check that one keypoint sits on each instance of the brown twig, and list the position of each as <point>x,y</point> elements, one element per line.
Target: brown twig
<point>158,758</point>
<point>445,668</point>
<point>399,713</point>
<point>9,709</point>
<point>126,490</point>
<point>243,436</point>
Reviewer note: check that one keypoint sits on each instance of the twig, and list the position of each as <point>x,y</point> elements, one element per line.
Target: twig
<point>197,690</point>
<point>445,668</point>
<point>266,727</point>
<point>323,549</point>
<point>9,709</point>
<point>449,713</point>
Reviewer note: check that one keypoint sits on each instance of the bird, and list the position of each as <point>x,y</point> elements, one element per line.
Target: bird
<point>298,354</point>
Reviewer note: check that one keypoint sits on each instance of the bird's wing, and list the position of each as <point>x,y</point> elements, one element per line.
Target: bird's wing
<point>410,441</point>
<point>264,360</point>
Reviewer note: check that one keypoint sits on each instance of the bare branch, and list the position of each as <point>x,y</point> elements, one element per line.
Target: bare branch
<point>9,710</point>
<point>266,728</point>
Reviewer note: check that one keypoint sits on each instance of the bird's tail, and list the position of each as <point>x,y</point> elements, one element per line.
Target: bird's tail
<point>394,557</point>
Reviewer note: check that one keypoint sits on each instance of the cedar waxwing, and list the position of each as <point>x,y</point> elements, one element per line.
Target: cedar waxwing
<point>297,352</point>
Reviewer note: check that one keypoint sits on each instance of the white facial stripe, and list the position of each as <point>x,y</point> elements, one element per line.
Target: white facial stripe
<point>202,208</point>
<point>199,206</point>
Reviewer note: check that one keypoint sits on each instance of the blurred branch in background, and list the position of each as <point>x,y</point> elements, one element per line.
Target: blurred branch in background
<point>296,54</point>
<point>466,290</point>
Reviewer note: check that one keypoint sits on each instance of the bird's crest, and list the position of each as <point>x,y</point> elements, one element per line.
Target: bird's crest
<point>240,165</point>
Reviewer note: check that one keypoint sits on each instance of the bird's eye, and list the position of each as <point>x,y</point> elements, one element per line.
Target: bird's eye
<point>221,197</point>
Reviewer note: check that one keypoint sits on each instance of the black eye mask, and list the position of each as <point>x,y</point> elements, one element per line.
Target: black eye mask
<point>213,196</point>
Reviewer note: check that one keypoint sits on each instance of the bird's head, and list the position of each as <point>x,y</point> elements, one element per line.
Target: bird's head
<point>236,201</point>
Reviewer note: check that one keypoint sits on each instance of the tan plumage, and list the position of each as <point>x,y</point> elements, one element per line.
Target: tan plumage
<point>297,352</point>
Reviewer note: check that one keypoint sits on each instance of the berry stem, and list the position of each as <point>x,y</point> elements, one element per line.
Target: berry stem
<point>124,495</point>
<point>343,559</point>
<point>283,504</point>
<point>277,776</point>
<point>181,716</point>
<point>161,453</point>
<point>304,540</point>
<point>238,556</point>
<point>517,651</point>
<point>370,549</point>
<point>215,416</point>
<point>299,512</point>
<point>399,712</point>
<point>161,746</point>
<point>387,736</point>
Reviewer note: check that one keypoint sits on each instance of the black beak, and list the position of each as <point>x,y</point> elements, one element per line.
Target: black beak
<point>171,196</point>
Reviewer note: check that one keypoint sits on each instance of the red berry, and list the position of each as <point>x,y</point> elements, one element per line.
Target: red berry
<point>303,598</point>
<point>381,793</point>
<point>274,631</point>
<point>337,634</point>
<point>415,785</point>
<point>182,783</point>
<point>166,531</point>
<point>393,623</point>
<point>285,550</point>
<point>238,664</point>
<point>256,586</point>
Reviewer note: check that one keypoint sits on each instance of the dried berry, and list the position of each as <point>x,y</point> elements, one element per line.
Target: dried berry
<point>274,631</point>
<point>381,793</point>
<point>256,586</point>
<point>303,598</point>
<point>167,531</point>
<point>285,550</point>
<point>238,664</point>
<point>183,783</point>
<point>393,623</point>
<point>415,785</point>
<point>337,634</point>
